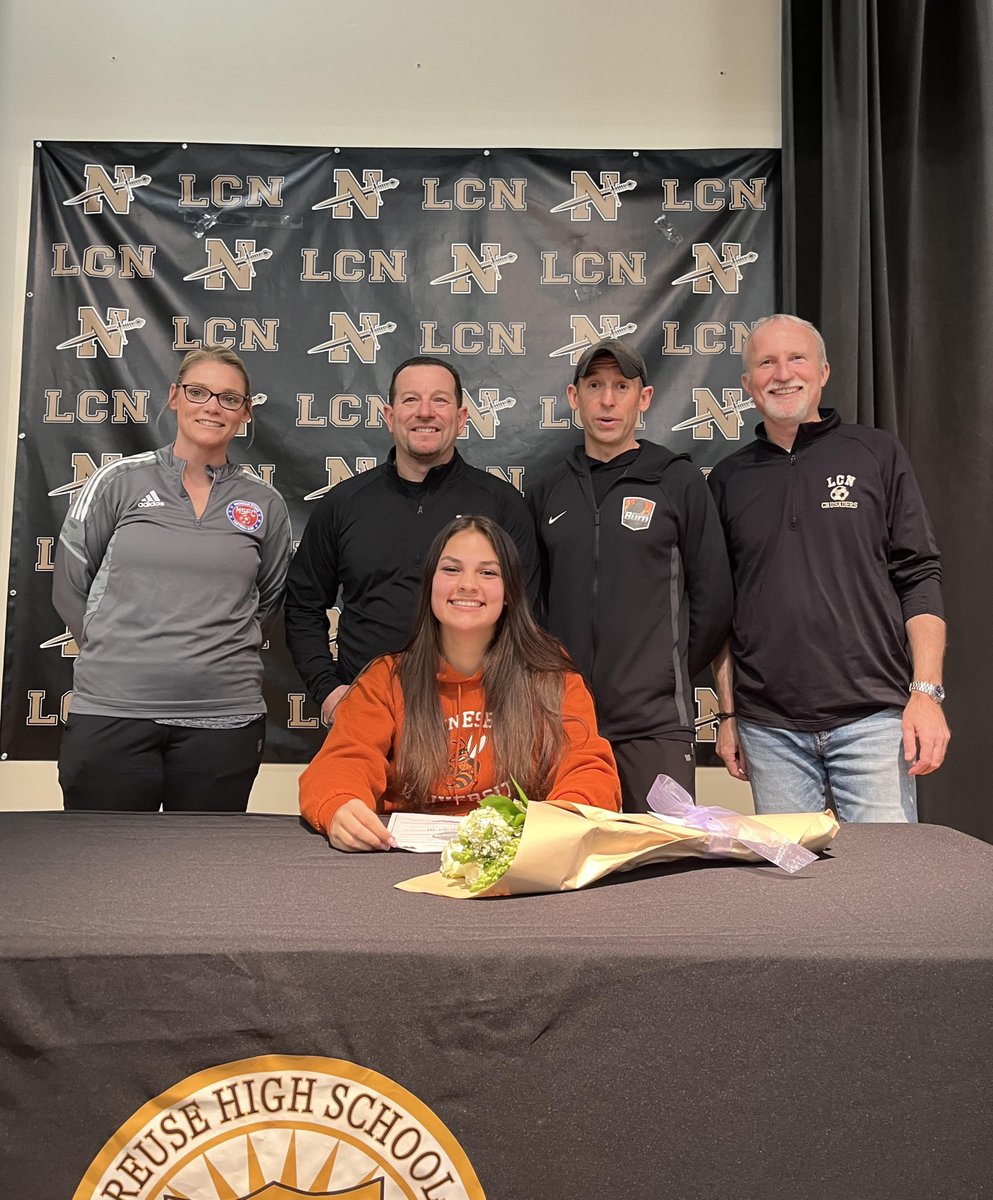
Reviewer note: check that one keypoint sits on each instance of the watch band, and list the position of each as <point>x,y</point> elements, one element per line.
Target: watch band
<point>934,690</point>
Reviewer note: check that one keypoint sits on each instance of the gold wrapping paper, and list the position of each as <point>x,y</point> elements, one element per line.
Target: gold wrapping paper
<point>565,847</point>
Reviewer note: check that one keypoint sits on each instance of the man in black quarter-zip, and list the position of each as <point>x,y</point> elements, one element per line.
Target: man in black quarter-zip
<point>635,575</point>
<point>831,681</point>
<point>370,533</point>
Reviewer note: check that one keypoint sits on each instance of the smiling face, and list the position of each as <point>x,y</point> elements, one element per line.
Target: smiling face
<point>425,418</point>
<point>785,374</point>
<point>467,589</point>
<point>609,405</point>
<point>204,431</point>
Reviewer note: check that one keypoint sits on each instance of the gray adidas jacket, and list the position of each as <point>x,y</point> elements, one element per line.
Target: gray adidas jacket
<point>169,611</point>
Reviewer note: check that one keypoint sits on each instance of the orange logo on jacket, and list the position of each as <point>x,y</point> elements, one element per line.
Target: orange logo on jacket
<point>464,765</point>
<point>636,512</point>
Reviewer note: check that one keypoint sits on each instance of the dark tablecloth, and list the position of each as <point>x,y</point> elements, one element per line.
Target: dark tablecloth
<point>701,1030</point>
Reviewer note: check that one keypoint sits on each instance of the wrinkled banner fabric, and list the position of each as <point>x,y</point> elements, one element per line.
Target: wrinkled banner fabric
<point>324,268</point>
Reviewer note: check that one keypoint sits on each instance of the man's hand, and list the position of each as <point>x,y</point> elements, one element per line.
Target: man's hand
<point>355,826</point>
<point>925,734</point>
<point>331,703</point>
<point>730,750</point>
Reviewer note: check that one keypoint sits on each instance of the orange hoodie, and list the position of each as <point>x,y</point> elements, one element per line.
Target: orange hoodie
<point>356,759</point>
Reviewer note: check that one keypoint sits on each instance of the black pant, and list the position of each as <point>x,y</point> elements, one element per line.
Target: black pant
<point>639,760</point>
<point>120,764</point>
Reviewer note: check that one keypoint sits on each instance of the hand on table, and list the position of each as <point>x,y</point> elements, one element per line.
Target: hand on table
<point>355,826</point>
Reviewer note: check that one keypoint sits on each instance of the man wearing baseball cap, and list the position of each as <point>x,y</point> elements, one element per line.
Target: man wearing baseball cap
<point>636,582</point>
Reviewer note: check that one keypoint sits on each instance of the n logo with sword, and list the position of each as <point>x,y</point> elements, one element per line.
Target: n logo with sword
<point>366,196</point>
<point>222,265</point>
<point>723,269</point>
<point>585,334</point>
<point>469,269</point>
<point>100,188</point>
<point>346,337</point>
<point>587,196</point>
<point>111,335</point>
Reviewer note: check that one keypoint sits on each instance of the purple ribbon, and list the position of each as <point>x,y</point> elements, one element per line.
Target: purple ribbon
<point>725,827</point>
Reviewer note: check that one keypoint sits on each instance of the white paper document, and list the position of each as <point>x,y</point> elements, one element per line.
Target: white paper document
<point>423,833</point>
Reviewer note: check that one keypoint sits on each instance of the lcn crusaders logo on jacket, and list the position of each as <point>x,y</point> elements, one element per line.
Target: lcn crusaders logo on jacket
<point>840,490</point>
<point>636,512</point>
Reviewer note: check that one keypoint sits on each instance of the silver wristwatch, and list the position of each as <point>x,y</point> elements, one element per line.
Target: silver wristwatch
<point>934,690</point>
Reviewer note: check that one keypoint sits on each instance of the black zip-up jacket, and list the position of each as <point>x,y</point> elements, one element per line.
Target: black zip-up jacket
<point>638,590</point>
<point>369,536</point>
<point>832,552</point>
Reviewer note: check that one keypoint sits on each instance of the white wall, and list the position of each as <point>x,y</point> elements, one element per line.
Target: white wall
<point>660,74</point>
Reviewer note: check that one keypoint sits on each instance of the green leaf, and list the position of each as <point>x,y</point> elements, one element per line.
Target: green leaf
<point>506,807</point>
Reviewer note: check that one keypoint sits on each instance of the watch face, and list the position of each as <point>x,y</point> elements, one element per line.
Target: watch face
<point>939,693</point>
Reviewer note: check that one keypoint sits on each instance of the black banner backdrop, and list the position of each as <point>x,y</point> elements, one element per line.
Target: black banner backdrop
<point>324,268</point>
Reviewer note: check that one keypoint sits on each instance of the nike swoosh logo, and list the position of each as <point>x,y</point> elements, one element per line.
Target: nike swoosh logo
<point>552,520</point>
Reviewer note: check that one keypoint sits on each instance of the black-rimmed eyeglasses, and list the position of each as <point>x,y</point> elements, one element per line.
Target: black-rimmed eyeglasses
<point>197,394</point>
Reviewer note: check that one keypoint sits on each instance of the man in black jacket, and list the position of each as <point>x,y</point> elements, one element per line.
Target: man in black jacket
<point>635,573</point>
<point>832,676</point>
<point>370,534</point>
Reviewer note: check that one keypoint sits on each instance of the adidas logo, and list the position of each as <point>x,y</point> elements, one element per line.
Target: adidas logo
<point>151,501</point>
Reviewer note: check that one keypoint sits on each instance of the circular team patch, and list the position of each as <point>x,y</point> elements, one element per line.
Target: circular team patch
<point>243,514</point>
<point>281,1127</point>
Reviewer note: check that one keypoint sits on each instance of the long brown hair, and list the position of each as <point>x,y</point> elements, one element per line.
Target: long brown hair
<point>523,682</point>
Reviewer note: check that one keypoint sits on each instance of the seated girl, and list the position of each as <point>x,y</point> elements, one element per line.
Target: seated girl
<point>478,695</point>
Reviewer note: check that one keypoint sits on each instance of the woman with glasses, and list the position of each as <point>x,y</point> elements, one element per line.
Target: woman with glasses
<point>169,570</point>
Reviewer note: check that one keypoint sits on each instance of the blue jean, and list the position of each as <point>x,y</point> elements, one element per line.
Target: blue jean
<point>858,769</point>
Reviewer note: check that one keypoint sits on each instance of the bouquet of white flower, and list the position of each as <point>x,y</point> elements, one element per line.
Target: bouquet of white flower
<point>562,845</point>
<point>485,842</point>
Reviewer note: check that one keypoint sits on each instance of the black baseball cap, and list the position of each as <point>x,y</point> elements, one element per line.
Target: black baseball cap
<point>627,358</point>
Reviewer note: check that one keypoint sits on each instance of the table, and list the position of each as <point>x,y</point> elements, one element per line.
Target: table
<point>697,1030</point>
